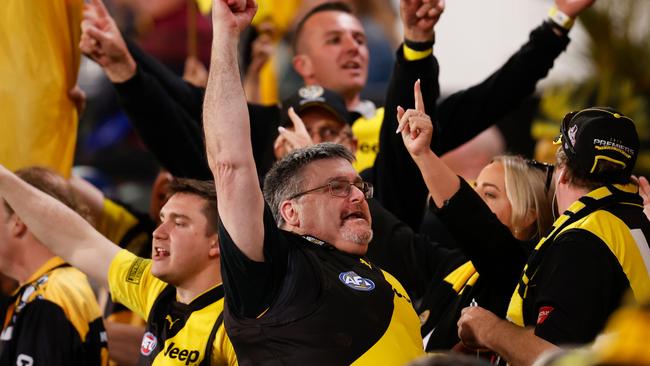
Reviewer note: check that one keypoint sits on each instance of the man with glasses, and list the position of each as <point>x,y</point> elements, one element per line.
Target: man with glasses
<point>313,115</point>
<point>596,252</point>
<point>299,288</point>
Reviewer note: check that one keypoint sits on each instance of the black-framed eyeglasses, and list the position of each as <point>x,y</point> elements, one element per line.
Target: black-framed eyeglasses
<point>341,188</point>
<point>545,167</point>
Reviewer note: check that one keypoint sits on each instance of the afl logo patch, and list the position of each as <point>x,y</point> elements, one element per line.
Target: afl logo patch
<point>356,282</point>
<point>149,342</point>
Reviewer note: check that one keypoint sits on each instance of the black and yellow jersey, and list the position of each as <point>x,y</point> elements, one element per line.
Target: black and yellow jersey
<point>310,304</point>
<point>578,274</point>
<point>366,130</point>
<point>176,333</point>
<point>54,320</point>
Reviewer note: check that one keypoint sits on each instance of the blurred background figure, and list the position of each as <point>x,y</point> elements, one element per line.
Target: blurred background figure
<point>38,71</point>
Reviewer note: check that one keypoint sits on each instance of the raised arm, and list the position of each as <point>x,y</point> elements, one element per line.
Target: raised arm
<point>495,244</point>
<point>57,227</point>
<point>468,112</point>
<point>227,132</point>
<point>417,130</point>
<point>418,20</point>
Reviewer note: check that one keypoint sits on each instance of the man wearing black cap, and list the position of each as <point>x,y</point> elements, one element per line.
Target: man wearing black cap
<point>596,252</point>
<point>315,115</point>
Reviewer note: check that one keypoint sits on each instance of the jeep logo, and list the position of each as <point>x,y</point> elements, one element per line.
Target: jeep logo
<point>182,354</point>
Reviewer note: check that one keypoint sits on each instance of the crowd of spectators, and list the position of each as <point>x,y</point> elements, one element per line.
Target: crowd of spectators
<point>326,228</point>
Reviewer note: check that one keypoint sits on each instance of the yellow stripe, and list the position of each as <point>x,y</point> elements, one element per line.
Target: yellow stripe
<point>597,158</point>
<point>459,277</point>
<point>622,244</point>
<point>621,151</point>
<point>401,343</point>
<point>515,309</point>
<point>413,55</point>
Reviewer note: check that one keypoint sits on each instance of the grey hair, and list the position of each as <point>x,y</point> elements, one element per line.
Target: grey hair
<point>285,178</point>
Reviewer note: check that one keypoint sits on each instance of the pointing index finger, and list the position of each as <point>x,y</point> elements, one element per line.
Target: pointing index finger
<point>298,124</point>
<point>417,95</point>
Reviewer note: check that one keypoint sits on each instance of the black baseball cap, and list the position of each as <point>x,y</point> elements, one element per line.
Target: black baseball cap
<point>315,96</point>
<point>600,134</point>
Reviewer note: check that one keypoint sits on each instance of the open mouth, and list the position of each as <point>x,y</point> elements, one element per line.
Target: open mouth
<point>352,65</point>
<point>160,252</point>
<point>356,215</point>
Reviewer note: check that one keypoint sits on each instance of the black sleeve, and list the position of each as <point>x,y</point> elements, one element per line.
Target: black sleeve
<point>45,335</point>
<point>398,182</point>
<point>412,258</point>
<point>466,113</point>
<point>489,244</point>
<point>581,284</point>
<point>168,130</point>
<point>186,95</point>
<point>166,112</point>
<point>250,286</point>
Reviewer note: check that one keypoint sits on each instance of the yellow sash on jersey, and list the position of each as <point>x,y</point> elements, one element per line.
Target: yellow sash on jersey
<point>586,214</point>
<point>39,63</point>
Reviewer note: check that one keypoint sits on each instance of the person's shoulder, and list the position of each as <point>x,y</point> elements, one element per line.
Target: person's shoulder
<point>68,288</point>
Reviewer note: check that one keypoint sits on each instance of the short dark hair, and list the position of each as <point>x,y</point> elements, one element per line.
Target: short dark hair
<point>204,189</point>
<point>285,178</point>
<point>328,6</point>
<point>50,182</point>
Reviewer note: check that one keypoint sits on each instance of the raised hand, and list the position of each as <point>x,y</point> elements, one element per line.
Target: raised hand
<point>231,17</point>
<point>419,17</point>
<point>573,8</point>
<point>262,49</point>
<point>290,140</point>
<point>102,41</point>
<point>415,125</point>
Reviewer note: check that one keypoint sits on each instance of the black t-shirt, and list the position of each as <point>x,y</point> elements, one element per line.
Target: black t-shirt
<point>310,303</point>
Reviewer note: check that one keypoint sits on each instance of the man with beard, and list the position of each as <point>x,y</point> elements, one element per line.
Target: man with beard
<point>302,292</point>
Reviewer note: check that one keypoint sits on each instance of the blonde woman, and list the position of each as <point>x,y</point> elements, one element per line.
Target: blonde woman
<point>507,207</point>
